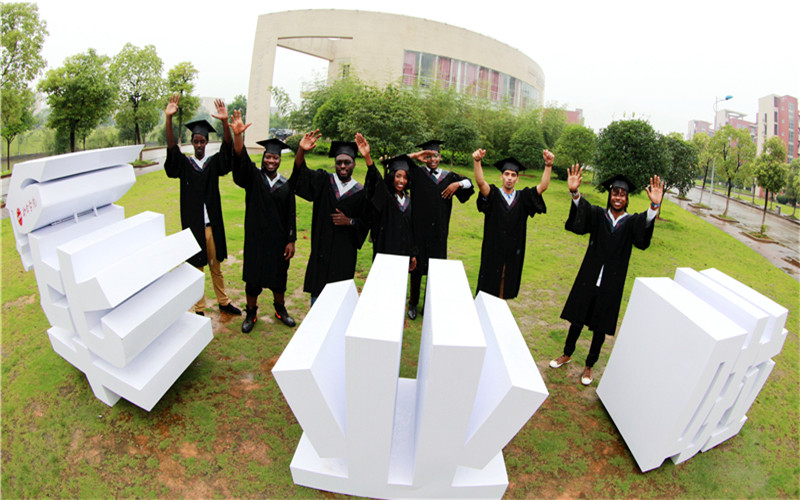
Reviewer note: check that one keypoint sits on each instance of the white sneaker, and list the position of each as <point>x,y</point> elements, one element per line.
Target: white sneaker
<point>586,378</point>
<point>561,360</point>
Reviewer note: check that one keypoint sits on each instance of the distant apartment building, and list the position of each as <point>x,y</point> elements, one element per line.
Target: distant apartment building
<point>778,116</point>
<point>575,116</point>
<point>736,120</point>
<point>697,126</point>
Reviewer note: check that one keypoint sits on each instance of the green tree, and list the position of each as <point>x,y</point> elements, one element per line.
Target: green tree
<point>22,35</point>
<point>554,120</point>
<point>459,136</point>
<point>793,184</point>
<point>702,142</point>
<point>16,117</point>
<point>180,80</point>
<point>527,142</point>
<point>771,171</point>
<point>137,73</point>
<point>239,102</point>
<point>390,118</point>
<point>79,94</point>
<point>496,126</point>
<point>734,150</point>
<point>576,146</point>
<point>340,97</point>
<point>631,148</point>
<point>681,165</point>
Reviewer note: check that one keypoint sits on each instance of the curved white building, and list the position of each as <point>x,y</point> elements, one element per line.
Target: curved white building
<point>388,48</point>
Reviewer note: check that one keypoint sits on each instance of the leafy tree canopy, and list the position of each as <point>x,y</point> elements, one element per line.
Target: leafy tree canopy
<point>80,94</point>
<point>22,34</point>
<point>137,74</point>
<point>631,148</point>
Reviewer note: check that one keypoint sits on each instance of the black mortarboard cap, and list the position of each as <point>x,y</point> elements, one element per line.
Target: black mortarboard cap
<point>620,181</point>
<point>273,146</point>
<point>432,145</point>
<point>201,127</point>
<point>510,163</point>
<point>402,162</point>
<point>343,148</point>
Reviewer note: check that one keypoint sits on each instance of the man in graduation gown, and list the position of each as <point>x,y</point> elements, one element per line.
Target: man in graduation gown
<point>596,295</point>
<point>201,209</point>
<point>506,211</point>
<point>433,203</point>
<point>390,203</point>
<point>269,224</point>
<point>338,221</point>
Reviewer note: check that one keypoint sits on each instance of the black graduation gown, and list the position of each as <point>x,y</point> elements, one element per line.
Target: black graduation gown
<point>610,250</point>
<point>504,237</point>
<point>431,216</point>
<point>269,224</point>
<point>334,249</point>
<point>392,232</point>
<point>198,188</point>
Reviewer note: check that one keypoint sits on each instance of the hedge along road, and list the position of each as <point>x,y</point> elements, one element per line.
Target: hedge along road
<point>783,254</point>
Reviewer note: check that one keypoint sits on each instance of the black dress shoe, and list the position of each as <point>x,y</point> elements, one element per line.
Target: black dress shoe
<point>412,312</point>
<point>250,319</point>
<point>231,309</point>
<point>282,314</point>
<point>200,313</point>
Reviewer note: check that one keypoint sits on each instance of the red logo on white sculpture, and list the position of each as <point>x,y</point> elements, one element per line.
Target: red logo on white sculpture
<point>19,217</point>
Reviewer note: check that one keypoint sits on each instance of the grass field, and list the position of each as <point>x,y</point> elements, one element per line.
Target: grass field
<point>224,430</point>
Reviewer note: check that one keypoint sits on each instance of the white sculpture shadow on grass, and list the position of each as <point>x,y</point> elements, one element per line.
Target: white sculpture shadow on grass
<point>690,358</point>
<point>115,291</point>
<point>369,432</point>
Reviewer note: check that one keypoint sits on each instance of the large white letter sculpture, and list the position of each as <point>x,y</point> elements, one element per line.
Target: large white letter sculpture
<point>368,432</point>
<point>691,356</point>
<point>114,290</point>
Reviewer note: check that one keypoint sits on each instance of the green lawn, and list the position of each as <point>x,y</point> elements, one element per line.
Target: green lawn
<point>224,429</point>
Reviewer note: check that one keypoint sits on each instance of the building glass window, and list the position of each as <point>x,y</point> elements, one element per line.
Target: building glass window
<point>410,63</point>
<point>424,69</point>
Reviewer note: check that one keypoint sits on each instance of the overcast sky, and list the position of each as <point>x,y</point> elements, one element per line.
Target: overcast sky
<point>666,62</point>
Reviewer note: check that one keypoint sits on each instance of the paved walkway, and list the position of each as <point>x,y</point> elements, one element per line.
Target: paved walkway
<point>784,254</point>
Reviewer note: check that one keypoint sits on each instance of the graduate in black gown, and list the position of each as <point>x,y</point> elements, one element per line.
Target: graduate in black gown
<point>339,223</point>
<point>269,224</point>
<point>596,295</point>
<point>201,209</point>
<point>390,203</point>
<point>433,203</point>
<point>506,211</point>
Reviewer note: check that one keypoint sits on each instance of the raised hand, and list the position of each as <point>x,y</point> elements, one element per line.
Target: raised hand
<point>655,191</point>
<point>363,145</point>
<point>309,140</point>
<point>548,158</point>
<point>237,125</point>
<point>172,104</point>
<point>222,111</point>
<point>574,177</point>
<point>478,154</point>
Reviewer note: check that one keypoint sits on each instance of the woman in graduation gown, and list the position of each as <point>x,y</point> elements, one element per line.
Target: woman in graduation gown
<point>390,202</point>
<point>338,222</point>
<point>506,211</point>
<point>596,295</point>
<point>269,224</point>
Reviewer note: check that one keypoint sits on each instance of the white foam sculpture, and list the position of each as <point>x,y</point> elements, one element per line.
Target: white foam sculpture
<point>690,358</point>
<point>115,291</point>
<point>370,433</point>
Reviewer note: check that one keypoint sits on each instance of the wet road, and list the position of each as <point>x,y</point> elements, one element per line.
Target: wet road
<point>784,254</point>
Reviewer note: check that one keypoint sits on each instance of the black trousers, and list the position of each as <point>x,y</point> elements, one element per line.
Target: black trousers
<point>594,350</point>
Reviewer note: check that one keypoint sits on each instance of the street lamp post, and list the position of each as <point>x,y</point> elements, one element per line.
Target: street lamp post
<point>714,163</point>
